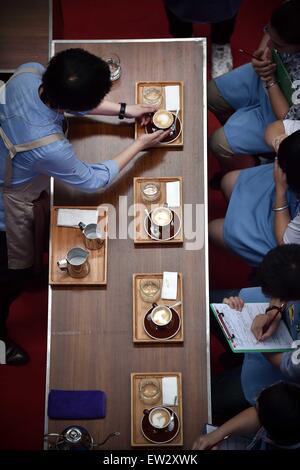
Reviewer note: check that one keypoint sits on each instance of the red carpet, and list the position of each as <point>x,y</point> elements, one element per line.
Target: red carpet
<point>22,389</point>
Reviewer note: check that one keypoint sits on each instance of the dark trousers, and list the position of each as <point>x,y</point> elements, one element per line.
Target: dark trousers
<point>227,395</point>
<point>221,32</point>
<point>11,284</point>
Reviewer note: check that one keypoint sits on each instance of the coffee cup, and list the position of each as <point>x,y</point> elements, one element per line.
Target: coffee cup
<point>161,315</point>
<point>159,417</point>
<point>161,216</point>
<point>163,119</point>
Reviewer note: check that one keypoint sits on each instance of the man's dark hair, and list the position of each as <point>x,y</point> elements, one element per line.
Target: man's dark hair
<point>279,273</point>
<point>289,161</point>
<point>75,80</point>
<point>278,409</point>
<point>285,20</point>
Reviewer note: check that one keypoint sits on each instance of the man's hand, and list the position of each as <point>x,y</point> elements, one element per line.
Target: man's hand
<point>141,112</point>
<point>150,140</point>
<point>263,65</point>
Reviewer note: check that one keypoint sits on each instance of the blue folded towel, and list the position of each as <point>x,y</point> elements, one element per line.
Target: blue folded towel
<point>76,404</point>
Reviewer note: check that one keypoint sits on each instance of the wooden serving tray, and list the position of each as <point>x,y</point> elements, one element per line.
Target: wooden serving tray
<point>140,307</point>
<point>65,238</point>
<point>139,130</point>
<point>140,235</point>
<point>137,407</point>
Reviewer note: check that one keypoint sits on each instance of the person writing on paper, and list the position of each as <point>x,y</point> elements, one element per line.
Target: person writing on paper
<point>249,98</point>
<point>33,148</point>
<point>278,275</point>
<point>264,208</point>
<point>273,421</point>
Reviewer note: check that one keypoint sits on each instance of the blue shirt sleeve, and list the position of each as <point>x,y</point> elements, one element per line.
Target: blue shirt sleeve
<point>60,161</point>
<point>289,367</point>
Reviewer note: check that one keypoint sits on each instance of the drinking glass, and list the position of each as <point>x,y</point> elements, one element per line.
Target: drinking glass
<point>114,63</point>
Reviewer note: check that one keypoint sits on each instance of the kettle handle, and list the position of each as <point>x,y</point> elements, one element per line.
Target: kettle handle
<point>112,434</point>
<point>51,434</point>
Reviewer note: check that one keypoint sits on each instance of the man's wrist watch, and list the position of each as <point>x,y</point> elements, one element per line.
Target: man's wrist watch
<point>122,110</point>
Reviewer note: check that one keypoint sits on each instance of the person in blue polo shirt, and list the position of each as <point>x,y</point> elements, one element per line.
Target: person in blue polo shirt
<point>278,277</point>
<point>33,148</point>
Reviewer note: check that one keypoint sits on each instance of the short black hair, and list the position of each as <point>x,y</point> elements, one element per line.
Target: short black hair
<point>279,273</point>
<point>289,160</point>
<point>75,80</point>
<point>279,413</point>
<point>285,20</point>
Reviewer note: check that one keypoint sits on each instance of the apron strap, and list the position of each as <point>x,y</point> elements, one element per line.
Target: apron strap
<point>14,149</point>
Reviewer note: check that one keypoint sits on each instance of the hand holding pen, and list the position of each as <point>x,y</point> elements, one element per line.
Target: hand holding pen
<point>262,63</point>
<point>264,325</point>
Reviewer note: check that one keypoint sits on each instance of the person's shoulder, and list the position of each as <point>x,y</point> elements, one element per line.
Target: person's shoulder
<point>35,66</point>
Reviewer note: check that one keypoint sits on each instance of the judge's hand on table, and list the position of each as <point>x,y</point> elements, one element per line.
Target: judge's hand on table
<point>141,112</point>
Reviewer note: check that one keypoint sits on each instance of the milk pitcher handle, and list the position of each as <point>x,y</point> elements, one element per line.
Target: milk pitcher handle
<point>82,226</point>
<point>63,264</point>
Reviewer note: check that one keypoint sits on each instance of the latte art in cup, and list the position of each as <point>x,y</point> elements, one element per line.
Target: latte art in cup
<point>163,119</point>
<point>161,315</point>
<point>161,216</point>
<point>159,417</point>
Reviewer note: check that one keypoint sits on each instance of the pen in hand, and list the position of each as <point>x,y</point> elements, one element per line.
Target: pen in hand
<point>248,53</point>
<point>267,325</point>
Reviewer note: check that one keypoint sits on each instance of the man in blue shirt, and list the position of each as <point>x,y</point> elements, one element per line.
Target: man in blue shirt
<point>33,148</point>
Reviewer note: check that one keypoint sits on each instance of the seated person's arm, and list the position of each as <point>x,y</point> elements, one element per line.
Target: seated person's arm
<point>274,134</point>
<point>282,216</point>
<point>278,101</point>
<point>245,422</point>
<point>263,43</point>
<point>287,364</point>
<point>274,358</point>
<point>265,69</point>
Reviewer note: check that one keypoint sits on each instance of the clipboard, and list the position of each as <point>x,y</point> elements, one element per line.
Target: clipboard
<point>284,80</point>
<point>236,327</point>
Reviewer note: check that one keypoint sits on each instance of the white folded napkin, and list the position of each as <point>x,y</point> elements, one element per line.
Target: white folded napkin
<point>72,217</point>
<point>170,391</point>
<point>169,287</point>
<point>173,193</point>
<point>172,97</point>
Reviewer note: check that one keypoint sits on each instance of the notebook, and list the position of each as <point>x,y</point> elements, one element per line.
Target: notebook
<point>236,327</point>
<point>282,77</point>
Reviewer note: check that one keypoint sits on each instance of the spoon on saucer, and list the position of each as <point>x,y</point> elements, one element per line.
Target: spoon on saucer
<point>171,423</point>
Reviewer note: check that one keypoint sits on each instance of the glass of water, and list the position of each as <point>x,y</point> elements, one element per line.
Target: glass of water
<point>113,61</point>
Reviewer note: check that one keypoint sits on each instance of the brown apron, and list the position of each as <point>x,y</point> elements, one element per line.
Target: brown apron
<point>19,200</point>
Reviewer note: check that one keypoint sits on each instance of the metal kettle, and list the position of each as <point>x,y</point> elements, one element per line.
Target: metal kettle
<point>75,438</point>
